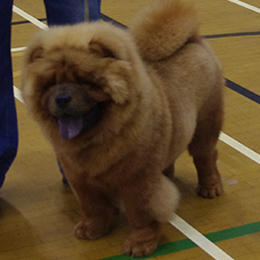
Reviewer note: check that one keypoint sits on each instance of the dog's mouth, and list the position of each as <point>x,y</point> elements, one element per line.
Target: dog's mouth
<point>71,126</point>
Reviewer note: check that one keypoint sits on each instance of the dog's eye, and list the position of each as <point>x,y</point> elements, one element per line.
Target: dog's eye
<point>85,77</point>
<point>83,81</point>
<point>52,82</point>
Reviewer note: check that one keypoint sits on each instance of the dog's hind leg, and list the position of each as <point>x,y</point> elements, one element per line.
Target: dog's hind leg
<point>203,150</point>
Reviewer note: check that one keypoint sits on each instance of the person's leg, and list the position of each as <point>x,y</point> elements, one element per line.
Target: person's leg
<point>94,10</point>
<point>71,11</point>
<point>62,12</point>
<point>8,120</point>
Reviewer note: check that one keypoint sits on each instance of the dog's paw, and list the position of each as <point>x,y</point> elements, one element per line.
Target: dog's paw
<point>90,230</point>
<point>139,249</point>
<point>210,192</point>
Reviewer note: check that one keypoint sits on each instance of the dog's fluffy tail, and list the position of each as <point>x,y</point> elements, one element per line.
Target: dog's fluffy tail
<point>164,27</point>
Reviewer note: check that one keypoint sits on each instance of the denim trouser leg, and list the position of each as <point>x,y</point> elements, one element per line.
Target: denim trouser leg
<point>60,12</point>
<point>94,9</point>
<point>8,119</point>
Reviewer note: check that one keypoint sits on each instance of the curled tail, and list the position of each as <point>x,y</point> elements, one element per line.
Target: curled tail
<point>162,28</point>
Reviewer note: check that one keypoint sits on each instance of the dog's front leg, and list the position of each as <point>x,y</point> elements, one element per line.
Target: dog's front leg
<point>149,201</point>
<point>97,209</point>
<point>145,231</point>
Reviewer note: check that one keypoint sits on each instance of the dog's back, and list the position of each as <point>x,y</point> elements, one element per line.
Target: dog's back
<point>167,37</point>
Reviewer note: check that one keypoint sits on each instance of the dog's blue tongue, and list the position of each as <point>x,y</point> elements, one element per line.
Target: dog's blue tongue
<point>70,126</point>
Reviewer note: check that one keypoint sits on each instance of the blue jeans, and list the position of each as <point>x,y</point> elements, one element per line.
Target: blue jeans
<point>8,121</point>
<point>58,12</point>
<point>94,9</point>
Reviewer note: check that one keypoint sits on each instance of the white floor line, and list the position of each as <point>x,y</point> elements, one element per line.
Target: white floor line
<point>200,240</point>
<point>240,147</point>
<point>245,5</point>
<point>29,18</point>
<point>18,94</point>
<point>18,49</point>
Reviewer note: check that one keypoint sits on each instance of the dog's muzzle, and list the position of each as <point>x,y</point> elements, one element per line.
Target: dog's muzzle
<point>63,100</point>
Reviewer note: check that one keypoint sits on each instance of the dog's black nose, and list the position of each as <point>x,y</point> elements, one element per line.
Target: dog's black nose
<point>63,100</point>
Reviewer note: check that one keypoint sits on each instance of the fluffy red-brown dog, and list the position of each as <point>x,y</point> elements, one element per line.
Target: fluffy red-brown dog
<point>119,106</point>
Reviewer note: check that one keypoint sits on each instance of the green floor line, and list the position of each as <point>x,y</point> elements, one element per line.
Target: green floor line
<point>234,232</point>
<point>188,244</point>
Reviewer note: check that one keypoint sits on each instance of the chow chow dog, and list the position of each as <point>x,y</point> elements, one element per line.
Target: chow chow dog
<point>119,106</point>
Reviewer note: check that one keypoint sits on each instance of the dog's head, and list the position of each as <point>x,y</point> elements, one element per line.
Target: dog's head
<point>73,74</point>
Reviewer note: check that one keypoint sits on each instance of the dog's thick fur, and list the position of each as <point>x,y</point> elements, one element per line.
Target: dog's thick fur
<point>134,100</point>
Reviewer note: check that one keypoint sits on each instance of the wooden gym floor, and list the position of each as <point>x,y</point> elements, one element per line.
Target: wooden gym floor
<point>37,212</point>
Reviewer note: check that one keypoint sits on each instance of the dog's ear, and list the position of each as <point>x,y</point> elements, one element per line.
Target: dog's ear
<point>33,53</point>
<point>104,48</point>
<point>118,73</point>
<point>119,81</point>
<point>36,54</point>
<point>101,50</point>
<point>118,90</point>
